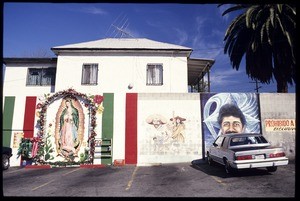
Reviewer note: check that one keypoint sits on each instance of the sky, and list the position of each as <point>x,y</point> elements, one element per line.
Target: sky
<point>32,29</point>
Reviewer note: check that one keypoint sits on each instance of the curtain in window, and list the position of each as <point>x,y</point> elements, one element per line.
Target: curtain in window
<point>41,76</point>
<point>46,77</point>
<point>94,70</point>
<point>89,74</point>
<point>149,74</point>
<point>154,75</point>
<point>34,77</point>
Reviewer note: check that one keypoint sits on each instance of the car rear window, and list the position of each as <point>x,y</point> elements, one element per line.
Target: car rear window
<point>235,141</point>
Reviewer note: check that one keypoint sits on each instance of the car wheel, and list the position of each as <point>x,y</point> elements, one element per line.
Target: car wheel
<point>272,169</point>
<point>228,168</point>
<point>5,162</point>
<point>209,159</point>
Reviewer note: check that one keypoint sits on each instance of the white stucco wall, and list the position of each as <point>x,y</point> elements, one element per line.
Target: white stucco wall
<point>17,125</point>
<point>162,144</point>
<point>116,72</point>
<point>274,106</point>
<point>279,106</point>
<point>119,126</point>
<point>15,81</point>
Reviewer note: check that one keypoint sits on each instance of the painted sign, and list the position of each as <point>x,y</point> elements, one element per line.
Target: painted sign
<point>280,125</point>
<point>17,139</point>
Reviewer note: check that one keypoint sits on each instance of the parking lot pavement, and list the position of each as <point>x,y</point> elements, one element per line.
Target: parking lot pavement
<point>196,179</point>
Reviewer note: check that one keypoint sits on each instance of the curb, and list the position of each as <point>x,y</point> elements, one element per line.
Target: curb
<point>37,167</point>
<point>80,166</point>
<point>92,166</point>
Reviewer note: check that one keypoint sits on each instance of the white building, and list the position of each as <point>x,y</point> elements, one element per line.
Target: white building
<point>115,66</point>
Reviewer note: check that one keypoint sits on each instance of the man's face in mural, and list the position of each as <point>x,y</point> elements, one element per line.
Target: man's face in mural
<point>231,124</point>
<point>231,119</point>
<point>156,123</point>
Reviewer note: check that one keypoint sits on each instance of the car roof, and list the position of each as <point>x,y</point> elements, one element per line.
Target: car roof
<point>241,134</point>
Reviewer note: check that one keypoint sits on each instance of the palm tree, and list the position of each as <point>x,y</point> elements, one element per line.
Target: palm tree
<point>266,35</point>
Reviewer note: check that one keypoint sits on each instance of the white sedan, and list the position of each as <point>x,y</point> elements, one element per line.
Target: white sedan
<point>245,150</point>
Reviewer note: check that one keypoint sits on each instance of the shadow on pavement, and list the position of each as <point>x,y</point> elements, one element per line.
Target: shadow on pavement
<point>218,170</point>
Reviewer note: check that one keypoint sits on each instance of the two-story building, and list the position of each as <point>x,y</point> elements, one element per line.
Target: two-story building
<point>77,108</point>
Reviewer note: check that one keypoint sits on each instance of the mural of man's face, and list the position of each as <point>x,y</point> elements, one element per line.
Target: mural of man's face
<point>231,124</point>
<point>156,122</point>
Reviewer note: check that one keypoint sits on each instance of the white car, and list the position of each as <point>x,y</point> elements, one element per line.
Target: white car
<point>245,150</point>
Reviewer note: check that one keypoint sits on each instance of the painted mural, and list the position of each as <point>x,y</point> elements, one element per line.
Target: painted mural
<point>69,129</point>
<point>158,128</point>
<point>169,131</point>
<point>166,135</point>
<point>229,113</point>
<point>65,129</point>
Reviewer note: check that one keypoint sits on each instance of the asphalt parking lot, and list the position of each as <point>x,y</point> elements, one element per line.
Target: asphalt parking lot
<point>196,179</point>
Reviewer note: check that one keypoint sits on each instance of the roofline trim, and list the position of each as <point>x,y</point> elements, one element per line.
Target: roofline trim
<point>168,49</point>
<point>31,60</point>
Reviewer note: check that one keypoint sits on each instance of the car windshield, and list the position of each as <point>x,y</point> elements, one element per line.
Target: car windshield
<point>235,141</point>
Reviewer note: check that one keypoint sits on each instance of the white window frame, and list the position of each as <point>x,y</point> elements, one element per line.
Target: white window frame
<point>89,74</point>
<point>154,74</point>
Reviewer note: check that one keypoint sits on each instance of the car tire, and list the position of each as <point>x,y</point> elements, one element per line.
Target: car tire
<point>5,162</point>
<point>272,169</point>
<point>228,168</point>
<point>209,159</point>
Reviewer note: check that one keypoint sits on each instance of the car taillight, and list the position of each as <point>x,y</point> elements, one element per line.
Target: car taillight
<point>246,157</point>
<point>280,154</point>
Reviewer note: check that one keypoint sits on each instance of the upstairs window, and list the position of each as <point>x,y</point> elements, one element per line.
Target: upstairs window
<point>41,76</point>
<point>89,74</point>
<point>154,74</point>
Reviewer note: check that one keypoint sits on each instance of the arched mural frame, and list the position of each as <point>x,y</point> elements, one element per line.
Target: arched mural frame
<point>92,102</point>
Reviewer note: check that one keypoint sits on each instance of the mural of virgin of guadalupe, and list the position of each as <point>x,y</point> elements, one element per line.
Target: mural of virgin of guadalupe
<point>69,128</point>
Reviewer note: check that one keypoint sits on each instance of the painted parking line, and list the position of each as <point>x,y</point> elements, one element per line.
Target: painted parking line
<point>12,171</point>
<point>131,180</point>
<point>218,180</point>
<point>71,171</point>
<point>45,184</point>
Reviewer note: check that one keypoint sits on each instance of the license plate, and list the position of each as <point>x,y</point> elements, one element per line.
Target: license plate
<point>261,156</point>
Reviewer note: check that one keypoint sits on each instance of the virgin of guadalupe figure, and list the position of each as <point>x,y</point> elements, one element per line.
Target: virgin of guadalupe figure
<point>68,132</point>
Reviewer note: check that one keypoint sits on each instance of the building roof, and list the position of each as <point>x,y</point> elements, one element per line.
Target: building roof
<point>22,60</point>
<point>122,44</point>
<point>198,68</point>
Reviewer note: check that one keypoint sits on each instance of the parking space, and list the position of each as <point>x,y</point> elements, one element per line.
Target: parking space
<point>195,179</point>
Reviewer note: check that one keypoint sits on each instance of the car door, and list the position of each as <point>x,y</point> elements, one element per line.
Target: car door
<point>216,153</point>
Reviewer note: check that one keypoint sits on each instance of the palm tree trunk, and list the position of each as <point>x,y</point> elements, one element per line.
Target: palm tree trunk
<point>282,87</point>
<point>279,74</point>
